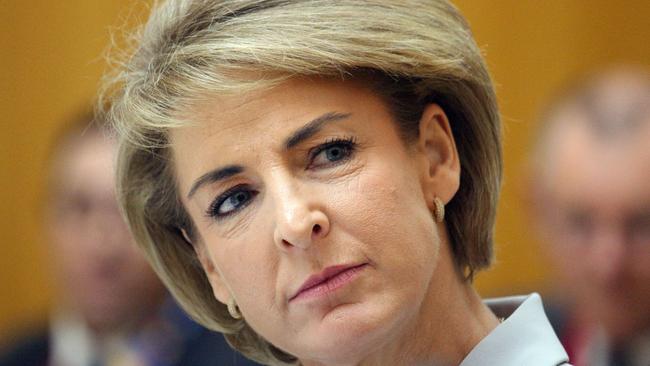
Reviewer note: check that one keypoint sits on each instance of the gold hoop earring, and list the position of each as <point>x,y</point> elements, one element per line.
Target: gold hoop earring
<point>233,309</point>
<point>438,210</point>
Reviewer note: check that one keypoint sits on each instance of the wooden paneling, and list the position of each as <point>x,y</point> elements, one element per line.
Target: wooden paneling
<point>532,48</point>
<point>51,64</point>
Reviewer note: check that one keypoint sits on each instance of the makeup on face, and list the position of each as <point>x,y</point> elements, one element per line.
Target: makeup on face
<point>312,212</point>
<point>327,281</point>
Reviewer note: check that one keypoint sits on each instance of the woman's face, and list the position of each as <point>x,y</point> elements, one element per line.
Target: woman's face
<point>313,214</point>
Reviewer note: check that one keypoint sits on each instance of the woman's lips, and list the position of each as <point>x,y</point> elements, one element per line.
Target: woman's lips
<point>327,281</point>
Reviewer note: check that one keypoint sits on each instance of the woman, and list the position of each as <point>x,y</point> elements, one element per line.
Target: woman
<point>286,166</point>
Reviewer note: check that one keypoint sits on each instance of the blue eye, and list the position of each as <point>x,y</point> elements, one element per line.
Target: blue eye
<point>230,201</point>
<point>332,152</point>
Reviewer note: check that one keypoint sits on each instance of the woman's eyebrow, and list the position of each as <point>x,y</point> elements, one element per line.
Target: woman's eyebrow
<point>294,139</point>
<point>312,127</point>
<point>214,176</point>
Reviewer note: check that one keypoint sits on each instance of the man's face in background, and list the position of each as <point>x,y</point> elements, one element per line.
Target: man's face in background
<point>101,274</point>
<point>593,200</point>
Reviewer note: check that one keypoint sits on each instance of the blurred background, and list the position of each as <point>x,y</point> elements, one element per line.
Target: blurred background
<point>52,61</point>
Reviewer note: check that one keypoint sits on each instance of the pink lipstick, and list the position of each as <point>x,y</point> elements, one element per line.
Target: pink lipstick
<point>330,279</point>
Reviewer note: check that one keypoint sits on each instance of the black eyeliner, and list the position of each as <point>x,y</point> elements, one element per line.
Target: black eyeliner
<point>350,142</point>
<point>212,211</point>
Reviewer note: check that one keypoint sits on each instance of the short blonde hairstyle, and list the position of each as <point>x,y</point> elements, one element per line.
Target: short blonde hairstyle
<point>415,52</point>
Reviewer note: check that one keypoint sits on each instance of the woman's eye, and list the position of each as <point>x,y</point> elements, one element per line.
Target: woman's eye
<point>332,153</point>
<point>230,201</point>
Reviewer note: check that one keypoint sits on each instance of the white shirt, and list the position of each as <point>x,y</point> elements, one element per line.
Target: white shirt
<point>74,344</point>
<point>525,337</point>
<point>71,341</point>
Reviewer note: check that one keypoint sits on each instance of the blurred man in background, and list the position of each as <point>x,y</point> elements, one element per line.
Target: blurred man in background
<point>110,307</point>
<point>591,193</point>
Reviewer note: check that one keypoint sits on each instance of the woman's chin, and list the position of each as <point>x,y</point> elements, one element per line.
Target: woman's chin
<point>347,333</point>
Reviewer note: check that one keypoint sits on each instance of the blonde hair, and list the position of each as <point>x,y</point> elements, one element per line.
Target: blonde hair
<point>414,51</point>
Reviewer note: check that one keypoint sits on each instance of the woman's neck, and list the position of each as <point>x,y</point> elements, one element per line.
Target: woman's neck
<point>451,322</point>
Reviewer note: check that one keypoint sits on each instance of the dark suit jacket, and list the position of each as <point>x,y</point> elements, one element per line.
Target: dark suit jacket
<point>197,346</point>
<point>203,348</point>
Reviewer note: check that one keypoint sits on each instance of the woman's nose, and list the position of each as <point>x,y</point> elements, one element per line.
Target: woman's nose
<point>300,221</point>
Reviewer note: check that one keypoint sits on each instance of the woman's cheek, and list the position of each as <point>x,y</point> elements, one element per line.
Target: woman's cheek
<point>259,284</point>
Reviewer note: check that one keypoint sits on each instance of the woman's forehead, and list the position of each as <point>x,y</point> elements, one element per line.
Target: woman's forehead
<point>248,129</point>
<point>275,110</point>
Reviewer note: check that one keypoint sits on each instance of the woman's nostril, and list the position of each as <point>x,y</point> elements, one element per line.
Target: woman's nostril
<point>317,229</point>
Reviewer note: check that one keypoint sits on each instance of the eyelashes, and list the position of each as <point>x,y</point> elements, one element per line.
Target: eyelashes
<point>327,155</point>
<point>231,200</point>
<point>333,151</point>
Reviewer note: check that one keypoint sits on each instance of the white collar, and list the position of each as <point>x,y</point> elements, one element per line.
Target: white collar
<point>525,337</point>
<point>72,343</point>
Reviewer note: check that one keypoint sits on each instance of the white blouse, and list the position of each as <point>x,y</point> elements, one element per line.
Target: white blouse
<point>525,337</point>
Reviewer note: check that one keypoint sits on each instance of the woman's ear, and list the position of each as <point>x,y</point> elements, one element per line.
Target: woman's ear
<point>219,287</point>
<point>440,164</point>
